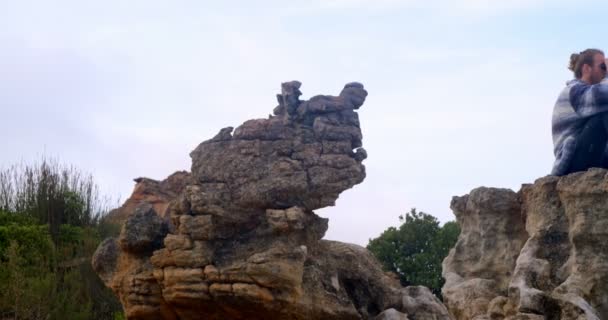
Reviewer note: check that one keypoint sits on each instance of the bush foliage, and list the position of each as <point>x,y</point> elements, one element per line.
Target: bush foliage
<point>416,249</point>
<point>50,224</point>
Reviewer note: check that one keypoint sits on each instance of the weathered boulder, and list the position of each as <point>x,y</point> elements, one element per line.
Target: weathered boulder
<point>143,232</point>
<point>303,160</point>
<point>243,241</point>
<point>537,254</point>
<point>391,314</point>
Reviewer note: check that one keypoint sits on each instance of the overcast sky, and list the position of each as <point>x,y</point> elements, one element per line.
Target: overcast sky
<point>460,91</point>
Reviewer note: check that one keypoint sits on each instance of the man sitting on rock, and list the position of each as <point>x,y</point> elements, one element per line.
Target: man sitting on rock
<point>580,116</point>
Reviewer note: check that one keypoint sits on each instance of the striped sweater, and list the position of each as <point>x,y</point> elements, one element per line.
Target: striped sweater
<point>576,104</point>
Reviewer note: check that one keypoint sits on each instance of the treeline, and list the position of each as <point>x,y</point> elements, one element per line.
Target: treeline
<point>415,250</point>
<point>51,221</point>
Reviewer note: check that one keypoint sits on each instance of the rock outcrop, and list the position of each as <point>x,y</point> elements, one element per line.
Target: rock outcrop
<point>156,193</point>
<point>242,240</point>
<point>540,253</point>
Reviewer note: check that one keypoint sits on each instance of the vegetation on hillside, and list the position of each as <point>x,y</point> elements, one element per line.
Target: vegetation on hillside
<point>50,225</point>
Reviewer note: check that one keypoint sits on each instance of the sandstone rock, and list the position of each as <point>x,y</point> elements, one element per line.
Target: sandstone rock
<point>105,258</point>
<point>156,193</point>
<point>420,303</point>
<point>479,267</point>
<point>243,241</point>
<point>391,314</point>
<point>144,231</point>
<point>283,162</point>
<point>559,273</point>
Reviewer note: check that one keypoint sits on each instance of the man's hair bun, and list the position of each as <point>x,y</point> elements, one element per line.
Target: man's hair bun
<point>573,59</point>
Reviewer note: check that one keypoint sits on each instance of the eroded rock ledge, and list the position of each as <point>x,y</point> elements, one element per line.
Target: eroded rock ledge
<point>541,253</point>
<point>239,239</point>
<point>156,193</point>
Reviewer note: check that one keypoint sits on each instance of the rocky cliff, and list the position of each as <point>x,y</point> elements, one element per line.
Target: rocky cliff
<point>541,253</point>
<point>239,239</point>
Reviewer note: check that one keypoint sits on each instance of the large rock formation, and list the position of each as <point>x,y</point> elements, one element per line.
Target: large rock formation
<point>540,253</point>
<point>242,241</point>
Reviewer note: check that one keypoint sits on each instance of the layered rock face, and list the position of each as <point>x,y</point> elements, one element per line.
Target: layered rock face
<point>540,253</point>
<point>242,240</point>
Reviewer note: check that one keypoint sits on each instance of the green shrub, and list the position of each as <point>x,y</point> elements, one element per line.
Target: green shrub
<point>33,243</point>
<point>416,249</point>
<point>7,218</point>
<point>49,228</point>
<point>52,194</point>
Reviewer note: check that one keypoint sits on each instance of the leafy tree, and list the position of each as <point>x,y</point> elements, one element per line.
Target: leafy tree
<point>416,249</point>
